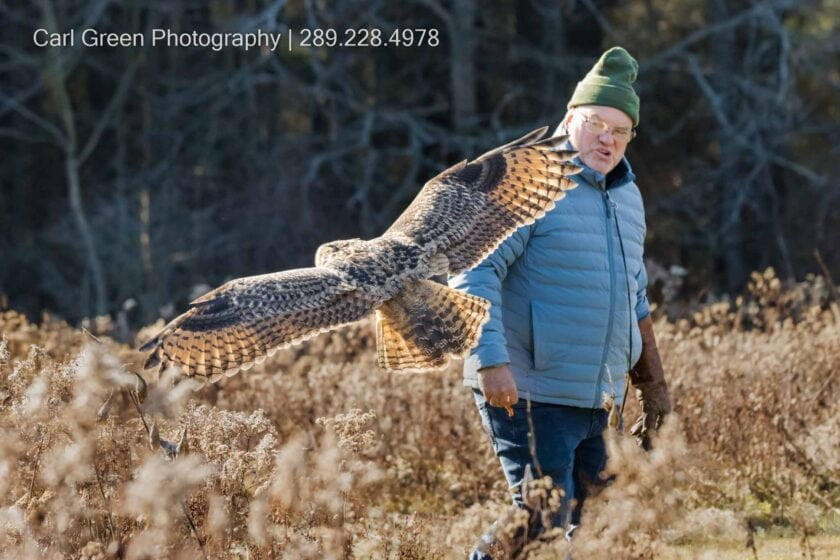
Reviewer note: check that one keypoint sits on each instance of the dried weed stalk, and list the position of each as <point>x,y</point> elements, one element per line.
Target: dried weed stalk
<point>282,462</point>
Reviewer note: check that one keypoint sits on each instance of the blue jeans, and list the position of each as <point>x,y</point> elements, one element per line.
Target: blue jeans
<point>569,448</point>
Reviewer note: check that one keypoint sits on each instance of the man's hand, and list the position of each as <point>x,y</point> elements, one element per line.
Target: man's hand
<point>498,386</point>
<point>655,402</point>
<point>648,379</point>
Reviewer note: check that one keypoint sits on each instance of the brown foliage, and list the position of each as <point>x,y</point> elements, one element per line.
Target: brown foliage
<point>282,462</point>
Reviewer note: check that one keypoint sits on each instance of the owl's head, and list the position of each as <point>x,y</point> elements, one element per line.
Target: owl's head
<point>336,250</point>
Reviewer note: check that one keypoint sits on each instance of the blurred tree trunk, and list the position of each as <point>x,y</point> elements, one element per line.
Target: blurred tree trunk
<point>724,60</point>
<point>462,68</point>
<point>55,80</point>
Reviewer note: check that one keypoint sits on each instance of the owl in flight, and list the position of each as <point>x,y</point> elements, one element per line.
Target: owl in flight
<point>458,218</point>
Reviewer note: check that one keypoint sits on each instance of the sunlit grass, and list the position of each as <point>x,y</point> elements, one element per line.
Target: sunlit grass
<point>822,547</point>
<point>319,454</point>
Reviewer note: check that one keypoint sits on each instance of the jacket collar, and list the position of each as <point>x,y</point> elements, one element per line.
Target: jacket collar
<point>618,177</point>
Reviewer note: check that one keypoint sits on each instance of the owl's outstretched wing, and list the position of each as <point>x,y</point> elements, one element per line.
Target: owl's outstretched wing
<point>246,319</point>
<point>469,209</point>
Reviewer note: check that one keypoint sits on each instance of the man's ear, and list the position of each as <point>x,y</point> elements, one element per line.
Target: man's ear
<point>563,127</point>
<point>567,120</point>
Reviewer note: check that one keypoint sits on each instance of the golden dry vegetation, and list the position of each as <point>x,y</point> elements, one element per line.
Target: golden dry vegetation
<point>319,454</point>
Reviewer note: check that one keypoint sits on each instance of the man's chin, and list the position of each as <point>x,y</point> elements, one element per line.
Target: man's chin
<point>600,166</point>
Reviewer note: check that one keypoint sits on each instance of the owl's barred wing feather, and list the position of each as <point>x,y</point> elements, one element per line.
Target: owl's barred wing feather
<point>467,211</point>
<point>246,319</point>
<point>463,214</point>
<point>426,324</point>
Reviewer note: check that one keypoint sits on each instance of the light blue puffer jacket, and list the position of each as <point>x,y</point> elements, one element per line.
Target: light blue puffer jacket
<point>562,298</point>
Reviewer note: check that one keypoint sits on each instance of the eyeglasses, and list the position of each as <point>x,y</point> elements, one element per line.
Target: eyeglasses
<point>594,125</point>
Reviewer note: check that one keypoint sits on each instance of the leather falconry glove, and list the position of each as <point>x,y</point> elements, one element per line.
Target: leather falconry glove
<point>648,378</point>
<point>656,404</point>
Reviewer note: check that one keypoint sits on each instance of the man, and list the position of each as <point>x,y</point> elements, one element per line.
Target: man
<point>569,312</point>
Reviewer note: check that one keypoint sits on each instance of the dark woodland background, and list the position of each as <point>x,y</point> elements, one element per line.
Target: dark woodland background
<point>132,176</point>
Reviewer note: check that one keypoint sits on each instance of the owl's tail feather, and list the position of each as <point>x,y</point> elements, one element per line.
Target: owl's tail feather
<point>421,326</point>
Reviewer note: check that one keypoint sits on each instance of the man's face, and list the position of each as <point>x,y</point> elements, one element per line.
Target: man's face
<point>596,131</point>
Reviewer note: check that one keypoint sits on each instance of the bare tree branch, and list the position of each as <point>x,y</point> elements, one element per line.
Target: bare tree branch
<point>108,113</point>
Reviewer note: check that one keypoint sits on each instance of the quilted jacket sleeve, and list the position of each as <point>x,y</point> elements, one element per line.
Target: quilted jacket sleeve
<point>642,307</point>
<point>485,280</point>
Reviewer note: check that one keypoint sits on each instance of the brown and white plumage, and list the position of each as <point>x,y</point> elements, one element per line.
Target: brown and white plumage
<point>457,220</point>
<point>469,209</point>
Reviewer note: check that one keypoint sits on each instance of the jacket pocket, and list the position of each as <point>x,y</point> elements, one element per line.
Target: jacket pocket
<point>546,350</point>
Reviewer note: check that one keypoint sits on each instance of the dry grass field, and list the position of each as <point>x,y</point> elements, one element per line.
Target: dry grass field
<point>317,453</point>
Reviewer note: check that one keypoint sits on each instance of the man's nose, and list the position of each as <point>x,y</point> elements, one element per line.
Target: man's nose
<point>607,137</point>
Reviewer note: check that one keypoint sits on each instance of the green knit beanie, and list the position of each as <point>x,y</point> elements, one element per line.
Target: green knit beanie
<point>610,83</point>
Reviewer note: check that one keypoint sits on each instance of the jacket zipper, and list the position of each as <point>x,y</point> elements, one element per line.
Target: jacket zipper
<point>610,207</point>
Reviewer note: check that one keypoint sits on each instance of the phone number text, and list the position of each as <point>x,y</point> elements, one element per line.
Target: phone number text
<point>374,37</point>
